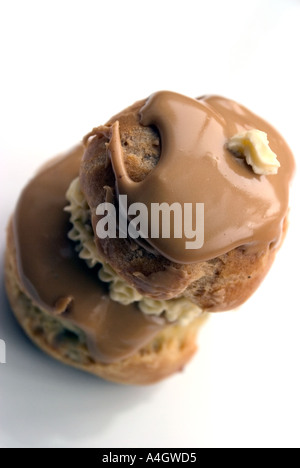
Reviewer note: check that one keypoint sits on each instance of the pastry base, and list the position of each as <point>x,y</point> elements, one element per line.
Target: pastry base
<point>166,354</point>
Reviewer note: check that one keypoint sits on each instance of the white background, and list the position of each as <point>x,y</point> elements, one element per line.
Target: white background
<point>67,66</point>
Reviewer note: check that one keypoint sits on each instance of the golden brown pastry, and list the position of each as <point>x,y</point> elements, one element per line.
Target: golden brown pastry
<point>128,309</point>
<point>167,352</point>
<point>236,200</point>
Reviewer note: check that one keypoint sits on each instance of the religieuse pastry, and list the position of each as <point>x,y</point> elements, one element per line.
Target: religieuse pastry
<point>119,249</point>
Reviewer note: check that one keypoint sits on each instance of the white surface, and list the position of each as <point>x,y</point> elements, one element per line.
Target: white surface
<point>68,66</point>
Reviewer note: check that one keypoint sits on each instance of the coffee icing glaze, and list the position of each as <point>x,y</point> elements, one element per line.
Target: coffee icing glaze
<point>58,281</point>
<point>195,166</point>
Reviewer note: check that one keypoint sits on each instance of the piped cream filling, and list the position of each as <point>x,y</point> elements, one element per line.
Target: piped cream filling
<point>180,309</point>
<point>254,146</point>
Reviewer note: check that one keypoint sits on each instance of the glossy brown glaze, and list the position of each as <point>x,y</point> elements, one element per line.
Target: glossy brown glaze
<point>240,207</point>
<point>58,281</point>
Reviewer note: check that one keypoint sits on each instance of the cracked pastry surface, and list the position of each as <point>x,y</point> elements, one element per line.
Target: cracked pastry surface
<point>180,310</point>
